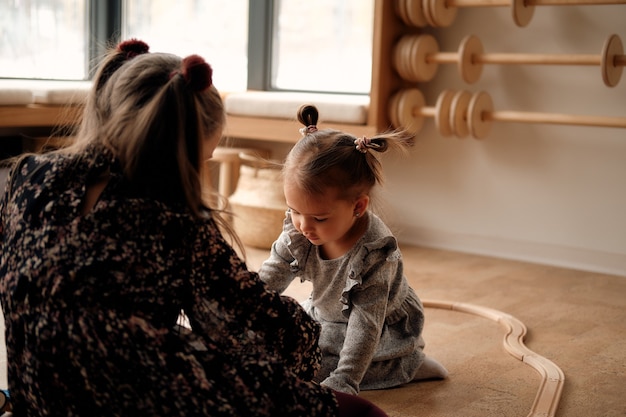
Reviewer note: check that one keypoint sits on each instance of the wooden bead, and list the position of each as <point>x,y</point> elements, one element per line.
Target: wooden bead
<point>522,12</point>
<point>410,105</point>
<point>410,57</point>
<point>458,113</point>
<point>427,14</point>
<point>611,71</point>
<point>470,69</point>
<point>423,69</point>
<point>401,57</point>
<point>442,113</point>
<point>441,15</point>
<point>405,110</point>
<point>411,12</point>
<point>480,107</point>
<point>400,9</point>
<point>415,12</point>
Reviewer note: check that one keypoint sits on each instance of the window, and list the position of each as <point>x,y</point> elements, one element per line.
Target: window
<point>322,45</point>
<point>217,30</point>
<point>43,39</point>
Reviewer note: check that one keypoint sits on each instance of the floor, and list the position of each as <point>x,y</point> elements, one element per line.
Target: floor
<point>575,319</point>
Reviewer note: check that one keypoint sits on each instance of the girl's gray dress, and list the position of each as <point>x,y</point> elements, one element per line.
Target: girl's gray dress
<point>371,318</point>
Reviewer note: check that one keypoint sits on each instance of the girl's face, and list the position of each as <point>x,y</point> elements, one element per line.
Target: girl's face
<point>324,219</point>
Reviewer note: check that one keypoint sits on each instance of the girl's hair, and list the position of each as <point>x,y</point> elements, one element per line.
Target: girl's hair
<point>153,111</point>
<point>329,158</point>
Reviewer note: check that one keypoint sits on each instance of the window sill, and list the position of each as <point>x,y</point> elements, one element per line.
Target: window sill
<point>256,115</point>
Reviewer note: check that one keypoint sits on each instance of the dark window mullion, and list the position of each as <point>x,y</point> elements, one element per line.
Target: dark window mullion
<point>105,28</point>
<point>260,28</point>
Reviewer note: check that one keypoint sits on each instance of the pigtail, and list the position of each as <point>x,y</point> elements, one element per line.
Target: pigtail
<point>399,140</point>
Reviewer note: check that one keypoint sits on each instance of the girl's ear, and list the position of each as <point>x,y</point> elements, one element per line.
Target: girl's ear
<point>361,204</point>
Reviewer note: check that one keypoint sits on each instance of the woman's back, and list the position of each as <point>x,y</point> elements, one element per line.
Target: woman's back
<point>91,303</point>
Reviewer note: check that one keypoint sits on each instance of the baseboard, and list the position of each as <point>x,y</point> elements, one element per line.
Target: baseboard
<point>540,253</point>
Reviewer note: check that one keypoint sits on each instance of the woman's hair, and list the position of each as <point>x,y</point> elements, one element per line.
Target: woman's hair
<point>153,111</point>
<point>328,158</point>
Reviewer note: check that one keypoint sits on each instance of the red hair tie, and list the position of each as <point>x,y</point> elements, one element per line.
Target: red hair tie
<point>133,47</point>
<point>197,73</point>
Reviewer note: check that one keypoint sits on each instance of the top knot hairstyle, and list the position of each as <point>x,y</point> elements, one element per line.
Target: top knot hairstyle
<point>328,158</point>
<point>308,115</point>
<point>198,75</point>
<point>132,48</point>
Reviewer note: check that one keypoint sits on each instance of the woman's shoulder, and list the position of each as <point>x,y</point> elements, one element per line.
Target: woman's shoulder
<point>32,161</point>
<point>34,169</point>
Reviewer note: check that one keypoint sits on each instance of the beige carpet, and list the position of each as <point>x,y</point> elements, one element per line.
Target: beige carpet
<point>575,319</point>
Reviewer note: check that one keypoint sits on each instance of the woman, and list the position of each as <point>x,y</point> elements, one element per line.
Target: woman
<point>106,242</point>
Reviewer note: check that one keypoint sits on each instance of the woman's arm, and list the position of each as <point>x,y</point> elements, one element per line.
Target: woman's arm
<point>228,303</point>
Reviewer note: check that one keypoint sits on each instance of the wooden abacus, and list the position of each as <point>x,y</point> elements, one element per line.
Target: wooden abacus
<point>461,113</point>
<point>441,13</point>
<point>416,58</point>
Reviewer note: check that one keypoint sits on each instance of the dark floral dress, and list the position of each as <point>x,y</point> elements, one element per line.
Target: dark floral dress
<point>91,304</point>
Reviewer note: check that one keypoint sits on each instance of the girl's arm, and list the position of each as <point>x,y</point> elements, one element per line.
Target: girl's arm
<point>281,267</point>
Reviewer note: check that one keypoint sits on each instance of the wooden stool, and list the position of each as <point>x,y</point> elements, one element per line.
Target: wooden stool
<point>229,165</point>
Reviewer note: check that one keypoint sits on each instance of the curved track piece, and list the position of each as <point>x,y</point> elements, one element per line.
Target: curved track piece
<point>552,378</point>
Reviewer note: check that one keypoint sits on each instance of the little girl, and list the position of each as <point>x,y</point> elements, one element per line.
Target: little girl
<point>371,318</point>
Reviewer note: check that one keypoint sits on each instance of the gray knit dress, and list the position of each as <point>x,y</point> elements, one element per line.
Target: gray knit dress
<point>371,318</point>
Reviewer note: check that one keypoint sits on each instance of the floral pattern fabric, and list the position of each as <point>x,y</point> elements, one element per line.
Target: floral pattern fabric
<point>91,303</point>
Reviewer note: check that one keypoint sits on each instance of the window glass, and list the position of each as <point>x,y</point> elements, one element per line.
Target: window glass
<point>43,39</point>
<point>323,45</point>
<point>217,30</point>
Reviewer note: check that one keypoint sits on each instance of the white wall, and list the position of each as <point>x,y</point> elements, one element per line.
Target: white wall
<point>543,193</point>
<point>538,192</point>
